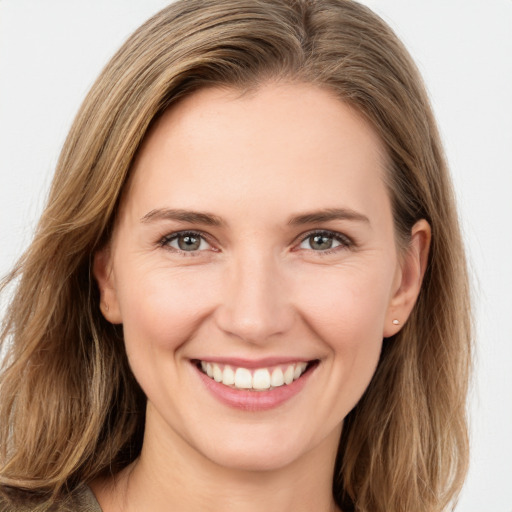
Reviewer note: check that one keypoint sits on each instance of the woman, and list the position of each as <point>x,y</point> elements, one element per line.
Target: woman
<point>248,288</point>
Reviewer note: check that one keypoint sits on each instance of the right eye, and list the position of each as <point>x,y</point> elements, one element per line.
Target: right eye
<point>325,242</point>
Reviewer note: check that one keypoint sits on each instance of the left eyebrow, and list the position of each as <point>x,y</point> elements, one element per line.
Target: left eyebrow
<point>327,215</point>
<point>189,216</point>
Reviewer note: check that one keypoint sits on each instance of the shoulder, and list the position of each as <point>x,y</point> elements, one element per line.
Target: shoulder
<point>80,500</point>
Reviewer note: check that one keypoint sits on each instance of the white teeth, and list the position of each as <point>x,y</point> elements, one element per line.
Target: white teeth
<point>243,378</point>
<point>277,378</point>
<point>217,373</point>
<point>261,379</point>
<point>299,370</point>
<point>228,376</point>
<point>288,374</point>
<point>258,379</point>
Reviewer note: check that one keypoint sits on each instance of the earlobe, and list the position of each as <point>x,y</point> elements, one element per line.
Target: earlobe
<point>102,271</point>
<point>410,277</point>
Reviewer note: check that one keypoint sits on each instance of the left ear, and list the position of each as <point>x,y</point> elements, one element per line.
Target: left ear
<point>104,275</point>
<point>409,278</point>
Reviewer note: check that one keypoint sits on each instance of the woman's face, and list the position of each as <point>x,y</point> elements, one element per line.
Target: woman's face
<point>255,244</point>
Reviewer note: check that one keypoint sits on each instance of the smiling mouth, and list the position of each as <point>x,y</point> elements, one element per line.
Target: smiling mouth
<point>257,379</point>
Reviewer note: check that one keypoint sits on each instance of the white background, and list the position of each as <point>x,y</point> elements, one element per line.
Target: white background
<point>52,50</point>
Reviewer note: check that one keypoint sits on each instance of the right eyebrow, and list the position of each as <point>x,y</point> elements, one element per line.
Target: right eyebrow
<point>327,215</point>
<point>189,216</point>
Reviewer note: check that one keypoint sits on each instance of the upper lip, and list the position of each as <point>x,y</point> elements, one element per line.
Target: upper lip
<point>254,363</point>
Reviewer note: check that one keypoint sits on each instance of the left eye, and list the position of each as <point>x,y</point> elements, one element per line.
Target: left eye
<point>321,241</point>
<point>188,242</point>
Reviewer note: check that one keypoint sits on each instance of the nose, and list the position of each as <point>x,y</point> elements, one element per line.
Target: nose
<point>255,305</point>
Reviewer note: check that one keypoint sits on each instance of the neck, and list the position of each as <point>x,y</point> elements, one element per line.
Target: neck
<point>172,475</point>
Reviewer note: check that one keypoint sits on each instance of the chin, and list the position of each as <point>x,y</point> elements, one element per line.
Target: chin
<point>254,458</point>
<point>255,450</point>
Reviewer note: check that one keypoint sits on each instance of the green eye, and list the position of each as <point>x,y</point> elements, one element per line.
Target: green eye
<point>187,242</point>
<point>324,241</point>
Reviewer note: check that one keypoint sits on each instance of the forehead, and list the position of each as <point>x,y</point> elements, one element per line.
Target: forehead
<point>280,142</point>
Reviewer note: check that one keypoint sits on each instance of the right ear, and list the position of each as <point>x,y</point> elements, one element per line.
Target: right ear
<point>104,275</point>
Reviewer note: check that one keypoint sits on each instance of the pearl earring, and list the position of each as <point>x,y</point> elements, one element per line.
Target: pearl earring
<point>396,322</point>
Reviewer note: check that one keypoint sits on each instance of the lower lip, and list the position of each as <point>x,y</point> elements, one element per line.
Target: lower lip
<point>254,400</point>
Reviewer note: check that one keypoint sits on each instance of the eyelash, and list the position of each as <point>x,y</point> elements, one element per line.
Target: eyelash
<point>344,241</point>
<point>167,239</point>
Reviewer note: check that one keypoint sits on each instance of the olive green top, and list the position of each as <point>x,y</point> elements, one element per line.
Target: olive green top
<point>84,501</point>
<point>81,500</point>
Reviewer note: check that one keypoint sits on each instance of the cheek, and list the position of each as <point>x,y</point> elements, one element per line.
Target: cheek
<point>163,307</point>
<point>348,317</point>
<point>161,310</point>
<point>348,310</point>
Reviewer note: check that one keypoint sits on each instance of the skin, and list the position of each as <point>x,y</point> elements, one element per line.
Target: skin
<point>255,288</point>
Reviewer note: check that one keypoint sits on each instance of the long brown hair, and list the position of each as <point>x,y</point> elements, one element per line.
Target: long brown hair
<point>70,407</point>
